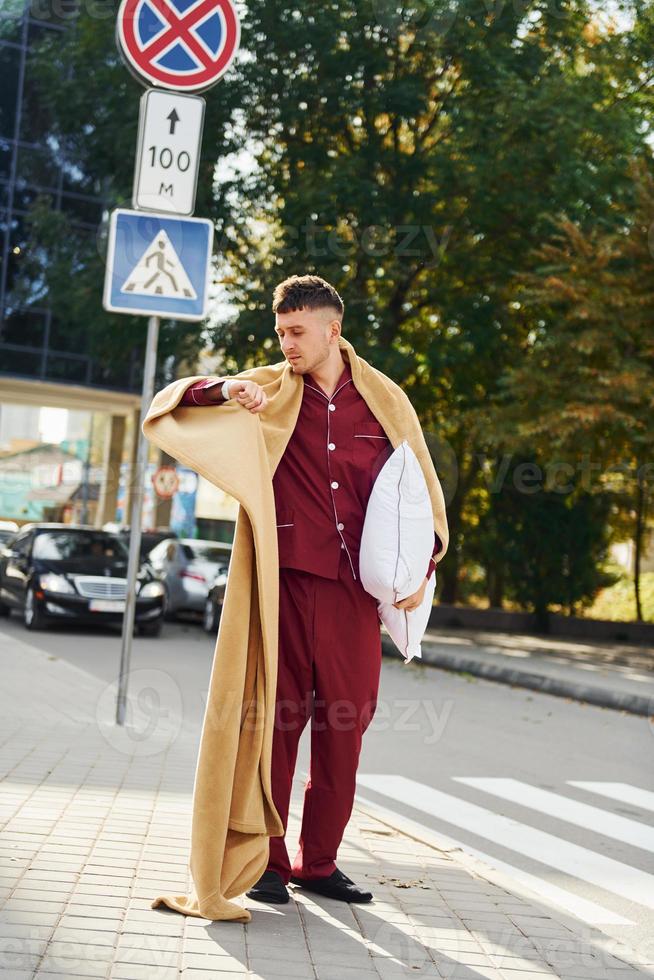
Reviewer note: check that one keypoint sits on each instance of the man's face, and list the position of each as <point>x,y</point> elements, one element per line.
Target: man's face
<point>304,337</point>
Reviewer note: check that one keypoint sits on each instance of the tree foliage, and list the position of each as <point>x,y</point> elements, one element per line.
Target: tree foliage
<point>584,390</point>
<point>420,157</point>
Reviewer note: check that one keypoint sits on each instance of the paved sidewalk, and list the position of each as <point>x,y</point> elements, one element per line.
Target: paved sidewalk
<point>96,821</point>
<point>611,675</point>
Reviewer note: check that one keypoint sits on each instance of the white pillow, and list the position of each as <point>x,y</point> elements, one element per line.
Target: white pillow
<point>406,629</point>
<point>396,545</point>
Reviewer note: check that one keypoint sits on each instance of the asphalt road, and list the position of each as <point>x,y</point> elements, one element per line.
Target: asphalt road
<point>557,794</point>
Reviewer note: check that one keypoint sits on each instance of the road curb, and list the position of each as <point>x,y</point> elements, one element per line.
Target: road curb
<point>633,704</point>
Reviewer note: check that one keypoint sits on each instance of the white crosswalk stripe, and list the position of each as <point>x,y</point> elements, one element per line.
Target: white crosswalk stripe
<point>590,912</point>
<point>538,845</point>
<point>621,792</point>
<point>555,805</point>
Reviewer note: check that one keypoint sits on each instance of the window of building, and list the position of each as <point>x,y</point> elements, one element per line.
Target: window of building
<point>5,159</point>
<point>36,167</point>
<point>11,27</point>
<point>36,341</point>
<point>25,328</point>
<point>67,367</point>
<point>57,14</point>
<point>64,338</point>
<point>9,71</point>
<point>18,245</point>
<point>40,28</point>
<point>35,119</point>
<point>24,197</point>
<point>77,182</point>
<point>24,362</point>
<point>82,209</point>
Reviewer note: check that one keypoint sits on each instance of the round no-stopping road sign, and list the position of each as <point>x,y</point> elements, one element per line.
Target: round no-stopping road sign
<point>178,44</point>
<point>165,482</point>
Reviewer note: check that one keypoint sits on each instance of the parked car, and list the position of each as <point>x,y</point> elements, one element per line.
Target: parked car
<point>188,567</point>
<point>213,606</point>
<point>7,530</point>
<point>73,573</point>
<point>148,538</point>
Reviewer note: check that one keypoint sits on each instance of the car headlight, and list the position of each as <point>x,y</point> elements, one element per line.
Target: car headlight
<point>151,590</point>
<point>55,583</point>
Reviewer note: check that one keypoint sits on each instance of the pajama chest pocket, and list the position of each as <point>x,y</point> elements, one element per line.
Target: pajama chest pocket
<point>285,519</point>
<point>368,440</point>
<point>369,432</point>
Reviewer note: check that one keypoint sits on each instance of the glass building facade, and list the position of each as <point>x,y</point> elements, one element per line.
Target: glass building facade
<point>33,342</point>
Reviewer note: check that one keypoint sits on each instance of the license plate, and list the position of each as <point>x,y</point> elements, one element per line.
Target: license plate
<point>107,605</point>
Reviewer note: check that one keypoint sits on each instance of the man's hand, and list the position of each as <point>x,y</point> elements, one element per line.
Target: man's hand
<point>412,601</point>
<point>248,394</point>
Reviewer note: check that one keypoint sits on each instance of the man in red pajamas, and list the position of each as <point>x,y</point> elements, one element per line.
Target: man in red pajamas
<point>329,655</point>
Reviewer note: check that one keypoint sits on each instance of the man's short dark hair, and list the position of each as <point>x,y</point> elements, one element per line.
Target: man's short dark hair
<point>306,293</point>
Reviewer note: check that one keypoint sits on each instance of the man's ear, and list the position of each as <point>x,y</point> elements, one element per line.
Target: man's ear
<point>335,333</point>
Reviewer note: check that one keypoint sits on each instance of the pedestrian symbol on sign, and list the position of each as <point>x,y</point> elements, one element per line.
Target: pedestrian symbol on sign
<point>158,265</point>
<point>159,272</point>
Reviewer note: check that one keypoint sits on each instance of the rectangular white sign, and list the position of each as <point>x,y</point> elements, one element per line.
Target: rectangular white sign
<point>168,152</point>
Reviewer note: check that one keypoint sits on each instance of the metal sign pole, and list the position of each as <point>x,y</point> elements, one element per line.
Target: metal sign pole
<point>175,251</point>
<point>135,518</point>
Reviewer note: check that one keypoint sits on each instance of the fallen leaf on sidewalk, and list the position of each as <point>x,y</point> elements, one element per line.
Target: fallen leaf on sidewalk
<point>398,883</point>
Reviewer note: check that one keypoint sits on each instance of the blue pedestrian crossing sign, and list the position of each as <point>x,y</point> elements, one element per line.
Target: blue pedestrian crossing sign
<point>158,265</point>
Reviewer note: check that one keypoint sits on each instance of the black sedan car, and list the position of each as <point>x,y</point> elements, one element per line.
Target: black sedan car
<point>72,573</point>
<point>149,539</point>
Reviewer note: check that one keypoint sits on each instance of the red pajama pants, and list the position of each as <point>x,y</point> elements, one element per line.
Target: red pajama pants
<point>328,672</point>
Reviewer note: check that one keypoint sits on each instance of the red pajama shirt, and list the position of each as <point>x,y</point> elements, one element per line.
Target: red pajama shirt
<point>329,656</point>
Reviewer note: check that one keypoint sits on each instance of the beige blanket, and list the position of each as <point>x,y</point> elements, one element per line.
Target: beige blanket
<point>238,451</point>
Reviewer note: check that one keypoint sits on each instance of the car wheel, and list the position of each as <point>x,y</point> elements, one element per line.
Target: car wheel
<point>33,616</point>
<point>151,629</point>
<point>210,618</point>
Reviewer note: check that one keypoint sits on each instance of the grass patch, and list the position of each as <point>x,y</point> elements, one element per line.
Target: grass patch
<point>618,602</point>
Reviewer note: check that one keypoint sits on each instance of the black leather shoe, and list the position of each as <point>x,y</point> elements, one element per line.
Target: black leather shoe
<point>269,888</point>
<point>337,885</point>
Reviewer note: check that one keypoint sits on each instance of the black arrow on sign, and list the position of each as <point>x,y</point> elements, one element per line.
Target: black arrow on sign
<point>174,119</point>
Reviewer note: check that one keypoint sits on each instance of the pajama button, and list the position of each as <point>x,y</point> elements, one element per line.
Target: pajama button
<point>331,446</point>
<point>342,547</point>
<point>332,408</point>
<point>334,485</point>
<point>340,526</point>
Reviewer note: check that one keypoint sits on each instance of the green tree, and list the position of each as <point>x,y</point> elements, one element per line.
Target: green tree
<point>416,165</point>
<point>415,156</point>
<point>584,390</point>
<point>542,542</point>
